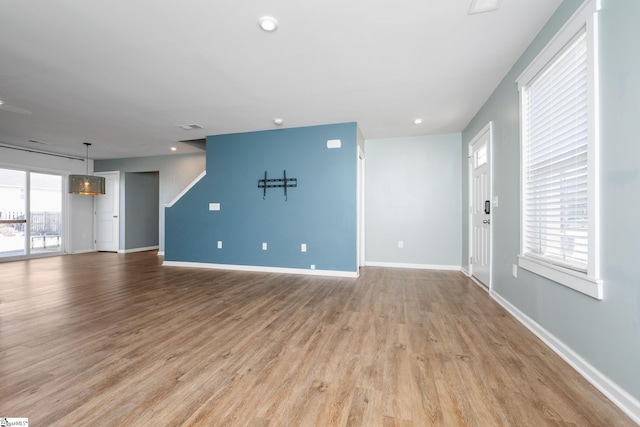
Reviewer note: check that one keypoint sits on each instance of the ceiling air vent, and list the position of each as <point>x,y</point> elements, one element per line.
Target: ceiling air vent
<point>192,126</point>
<point>480,6</point>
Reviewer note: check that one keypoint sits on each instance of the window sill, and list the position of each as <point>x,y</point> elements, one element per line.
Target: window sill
<point>569,278</point>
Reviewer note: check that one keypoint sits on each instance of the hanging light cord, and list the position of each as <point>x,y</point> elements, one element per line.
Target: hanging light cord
<point>86,166</point>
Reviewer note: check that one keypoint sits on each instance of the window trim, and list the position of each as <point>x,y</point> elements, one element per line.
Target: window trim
<point>590,282</point>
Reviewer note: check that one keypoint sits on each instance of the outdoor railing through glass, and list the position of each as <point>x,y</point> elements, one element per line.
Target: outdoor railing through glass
<point>44,232</point>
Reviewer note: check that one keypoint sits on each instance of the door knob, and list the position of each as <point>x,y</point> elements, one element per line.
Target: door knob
<point>486,221</point>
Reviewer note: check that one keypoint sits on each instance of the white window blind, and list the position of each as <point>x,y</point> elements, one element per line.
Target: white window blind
<point>555,135</point>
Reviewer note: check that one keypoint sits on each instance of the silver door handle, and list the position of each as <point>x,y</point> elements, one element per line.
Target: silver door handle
<point>115,216</point>
<point>486,221</point>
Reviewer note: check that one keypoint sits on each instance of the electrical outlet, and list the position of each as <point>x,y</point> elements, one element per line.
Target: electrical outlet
<point>264,246</point>
<point>400,244</point>
<point>303,247</point>
<point>313,266</point>
<point>219,244</point>
<point>515,270</point>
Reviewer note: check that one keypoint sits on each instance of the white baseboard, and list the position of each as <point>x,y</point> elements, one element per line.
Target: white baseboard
<point>261,269</point>
<point>415,266</point>
<point>83,251</point>
<point>160,253</point>
<point>148,248</point>
<point>465,271</point>
<point>621,398</point>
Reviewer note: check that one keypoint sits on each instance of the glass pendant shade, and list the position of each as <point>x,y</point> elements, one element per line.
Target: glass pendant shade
<point>86,184</point>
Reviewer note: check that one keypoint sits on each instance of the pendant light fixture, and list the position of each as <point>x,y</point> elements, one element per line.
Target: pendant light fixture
<point>88,185</point>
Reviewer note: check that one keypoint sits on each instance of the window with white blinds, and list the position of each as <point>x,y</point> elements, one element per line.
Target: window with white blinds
<point>555,165</point>
<point>559,233</point>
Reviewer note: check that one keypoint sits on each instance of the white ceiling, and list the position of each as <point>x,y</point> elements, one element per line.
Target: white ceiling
<point>124,74</point>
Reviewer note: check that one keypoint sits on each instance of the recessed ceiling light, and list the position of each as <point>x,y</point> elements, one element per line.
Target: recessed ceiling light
<point>268,23</point>
<point>479,6</point>
<point>1,102</point>
<point>174,149</point>
<point>417,121</point>
<point>278,121</point>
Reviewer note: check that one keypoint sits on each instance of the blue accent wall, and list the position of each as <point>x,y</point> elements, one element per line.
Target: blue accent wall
<point>320,211</point>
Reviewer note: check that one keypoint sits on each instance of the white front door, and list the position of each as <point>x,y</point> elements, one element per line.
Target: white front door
<point>480,200</point>
<point>108,214</point>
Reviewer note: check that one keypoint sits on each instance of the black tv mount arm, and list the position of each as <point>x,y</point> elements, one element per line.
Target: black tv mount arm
<point>283,182</point>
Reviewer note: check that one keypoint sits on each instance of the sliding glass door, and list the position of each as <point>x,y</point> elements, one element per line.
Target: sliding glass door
<point>30,213</point>
<point>45,195</point>
<point>13,208</point>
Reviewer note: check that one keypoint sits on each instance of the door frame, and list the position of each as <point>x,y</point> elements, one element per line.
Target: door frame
<point>487,128</point>
<point>360,207</point>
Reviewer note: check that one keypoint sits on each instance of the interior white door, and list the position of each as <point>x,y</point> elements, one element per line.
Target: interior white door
<point>108,214</point>
<point>481,205</point>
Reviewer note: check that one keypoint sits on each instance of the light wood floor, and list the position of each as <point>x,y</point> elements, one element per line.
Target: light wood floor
<point>113,339</point>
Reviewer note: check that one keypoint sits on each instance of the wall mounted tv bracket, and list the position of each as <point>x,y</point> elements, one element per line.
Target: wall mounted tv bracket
<point>277,183</point>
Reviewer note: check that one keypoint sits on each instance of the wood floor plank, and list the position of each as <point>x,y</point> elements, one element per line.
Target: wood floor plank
<point>117,339</point>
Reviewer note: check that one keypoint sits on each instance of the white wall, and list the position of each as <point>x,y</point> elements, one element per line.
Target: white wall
<point>79,231</point>
<point>413,194</point>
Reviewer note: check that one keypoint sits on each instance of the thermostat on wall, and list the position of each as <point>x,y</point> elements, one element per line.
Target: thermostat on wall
<point>334,143</point>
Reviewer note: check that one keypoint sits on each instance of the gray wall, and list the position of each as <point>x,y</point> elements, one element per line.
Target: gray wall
<point>141,196</point>
<point>413,194</point>
<point>604,333</point>
<point>175,173</point>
